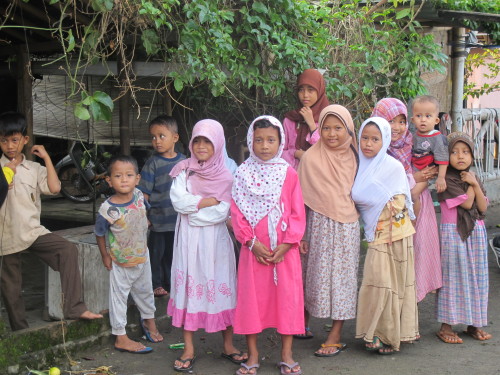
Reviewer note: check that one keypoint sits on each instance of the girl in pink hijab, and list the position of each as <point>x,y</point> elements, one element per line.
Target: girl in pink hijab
<point>203,284</point>
<point>426,239</point>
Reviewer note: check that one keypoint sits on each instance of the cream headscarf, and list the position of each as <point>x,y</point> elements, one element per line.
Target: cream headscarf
<point>327,175</point>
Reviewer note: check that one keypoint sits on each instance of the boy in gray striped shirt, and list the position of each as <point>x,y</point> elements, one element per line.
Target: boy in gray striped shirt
<point>155,185</point>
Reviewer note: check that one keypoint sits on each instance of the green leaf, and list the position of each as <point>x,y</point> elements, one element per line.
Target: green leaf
<point>71,41</point>
<point>100,111</point>
<point>51,2</point>
<point>81,112</point>
<point>104,99</point>
<point>259,7</point>
<point>403,13</point>
<point>151,41</point>
<point>178,84</point>
<point>102,5</point>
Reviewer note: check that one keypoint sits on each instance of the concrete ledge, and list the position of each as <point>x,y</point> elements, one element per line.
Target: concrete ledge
<point>54,343</point>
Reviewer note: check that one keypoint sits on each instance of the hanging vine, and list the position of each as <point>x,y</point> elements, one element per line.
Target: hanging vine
<point>242,56</point>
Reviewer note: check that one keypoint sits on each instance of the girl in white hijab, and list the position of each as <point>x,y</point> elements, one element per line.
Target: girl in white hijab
<point>387,305</point>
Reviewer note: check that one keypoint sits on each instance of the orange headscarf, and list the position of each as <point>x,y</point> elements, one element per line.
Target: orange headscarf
<point>327,175</point>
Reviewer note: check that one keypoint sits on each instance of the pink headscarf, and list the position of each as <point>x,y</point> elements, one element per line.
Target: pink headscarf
<point>389,108</point>
<point>210,178</point>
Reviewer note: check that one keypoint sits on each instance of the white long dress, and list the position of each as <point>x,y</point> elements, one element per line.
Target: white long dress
<point>203,282</point>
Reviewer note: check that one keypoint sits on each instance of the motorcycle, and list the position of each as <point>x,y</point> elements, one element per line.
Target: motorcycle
<point>83,173</point>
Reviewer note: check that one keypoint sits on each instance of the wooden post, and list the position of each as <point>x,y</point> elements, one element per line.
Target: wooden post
<point>124,107</point>
<point>25,94</point>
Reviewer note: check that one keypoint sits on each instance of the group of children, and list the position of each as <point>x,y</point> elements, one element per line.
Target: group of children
<point>294,207</point>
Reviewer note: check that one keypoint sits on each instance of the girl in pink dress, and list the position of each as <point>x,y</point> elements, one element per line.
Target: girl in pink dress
<point>269,220</point>
<point>426,238</point>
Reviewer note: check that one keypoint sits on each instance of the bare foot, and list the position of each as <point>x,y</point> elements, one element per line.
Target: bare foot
<point>150,329</point>
<point>123,342</point>
<point>290,367</point>
<point>447,335</point>
<point>89,315</point>
<point>185,360</point>
<point>386,349</point>
<point>478,333</point>
<point>375,344</point>
<point>232,349</point>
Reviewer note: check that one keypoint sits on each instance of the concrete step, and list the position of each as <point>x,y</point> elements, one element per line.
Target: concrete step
<point>53,343</point>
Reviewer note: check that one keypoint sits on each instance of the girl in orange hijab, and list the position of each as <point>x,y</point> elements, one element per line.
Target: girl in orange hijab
<point>331,243</point>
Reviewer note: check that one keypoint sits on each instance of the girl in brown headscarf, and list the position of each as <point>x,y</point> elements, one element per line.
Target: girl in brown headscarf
<point>331,243</point>
<point>301,124</point>
<point>463,298</point>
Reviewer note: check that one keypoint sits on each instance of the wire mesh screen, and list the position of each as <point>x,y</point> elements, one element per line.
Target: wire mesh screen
<point>53,110</point>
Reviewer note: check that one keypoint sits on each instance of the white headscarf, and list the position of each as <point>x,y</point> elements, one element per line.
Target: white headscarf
<point>378,180</point>
<point>258,184</point>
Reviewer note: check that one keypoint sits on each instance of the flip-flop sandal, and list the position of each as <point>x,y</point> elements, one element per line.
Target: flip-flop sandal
<point>374,348</point>
<point>475,334</point>
<point>145,350</point>
<point>445,337</point>
<point>281,366</point>
<point>386,350</point>
<point>230,357</point>
<point>304,336</point>
<point>148,335</point>
<point>339,347</point>
<point>248,368</point>
<point>183,361</point>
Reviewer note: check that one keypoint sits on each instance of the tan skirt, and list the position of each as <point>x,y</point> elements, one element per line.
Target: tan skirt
<point>387,303</point>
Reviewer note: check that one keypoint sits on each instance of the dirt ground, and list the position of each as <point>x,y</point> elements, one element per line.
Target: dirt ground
<point>427,356</point>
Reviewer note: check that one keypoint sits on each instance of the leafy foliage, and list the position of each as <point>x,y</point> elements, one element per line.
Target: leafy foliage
<point>483,6</point>
<point>489,59</point>
<point>236,59</point>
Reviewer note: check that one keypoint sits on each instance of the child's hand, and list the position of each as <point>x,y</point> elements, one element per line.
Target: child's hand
<point>13,164</point>
<point>298,154</point>
<point>469,177</point>
<point>229,224</point>
<point>108,263</point>
<point>307,113</point>
<point>39,151</point>
<point>208,202</point>
<point>440,184</point>
<point>261,252</point>
<point>304,247</point>
<point>279,252</point>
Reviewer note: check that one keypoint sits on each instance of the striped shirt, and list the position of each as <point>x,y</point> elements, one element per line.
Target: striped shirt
<point>156,182</point>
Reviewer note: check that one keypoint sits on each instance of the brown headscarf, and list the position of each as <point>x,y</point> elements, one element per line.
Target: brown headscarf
<point>315,79</point>
<point>327,175</point>
<point>466,219</point>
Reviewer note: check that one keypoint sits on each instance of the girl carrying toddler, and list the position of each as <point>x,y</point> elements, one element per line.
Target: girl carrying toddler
<point>426,239</point>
